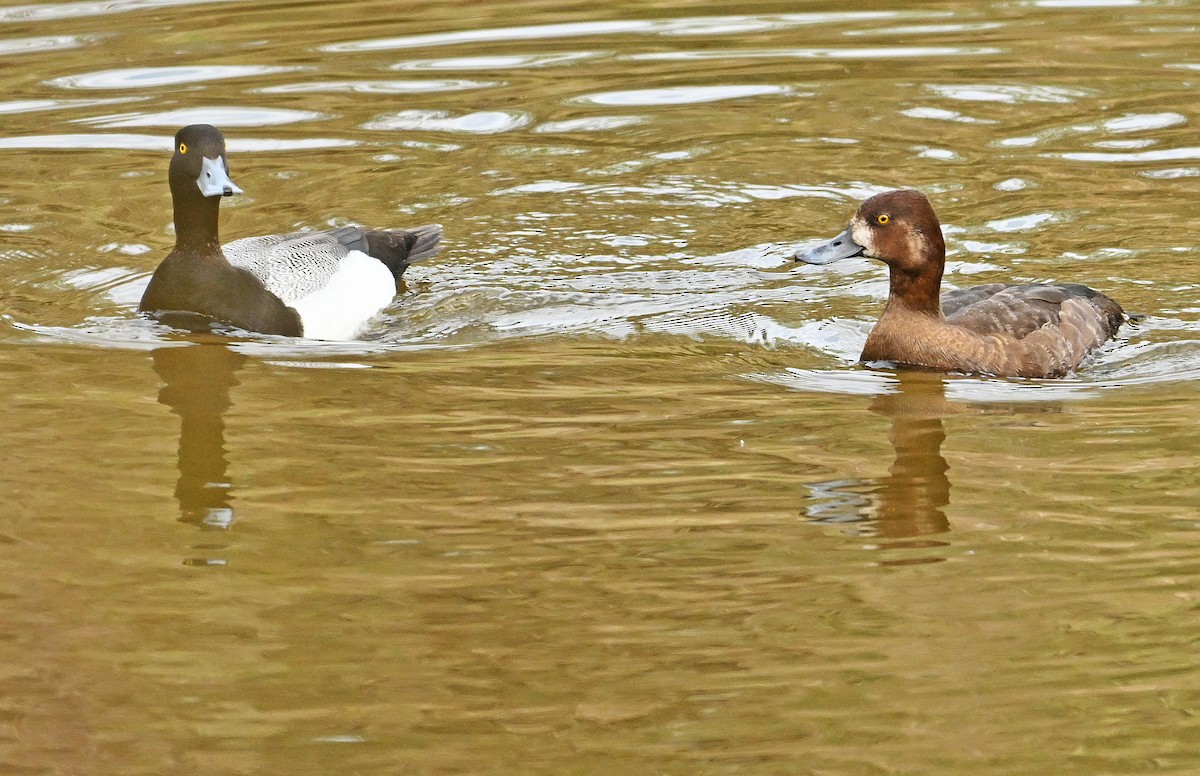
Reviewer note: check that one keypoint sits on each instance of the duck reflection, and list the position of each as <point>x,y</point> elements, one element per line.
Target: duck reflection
<point>197,379</point>
<point>909,501</point>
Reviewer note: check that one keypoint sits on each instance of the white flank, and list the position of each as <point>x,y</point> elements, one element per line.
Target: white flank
<point>361,287</point>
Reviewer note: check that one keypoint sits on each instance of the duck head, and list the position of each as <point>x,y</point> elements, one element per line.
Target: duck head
<point>199,161</point>
<point>897,227</point>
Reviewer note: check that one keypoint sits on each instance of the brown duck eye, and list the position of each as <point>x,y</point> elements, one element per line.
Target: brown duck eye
<point>882,219</point>
<point>183,148</point>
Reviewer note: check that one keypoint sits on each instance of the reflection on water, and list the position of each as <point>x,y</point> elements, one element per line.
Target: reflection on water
<point>909,501</point>
<point>197,382</point>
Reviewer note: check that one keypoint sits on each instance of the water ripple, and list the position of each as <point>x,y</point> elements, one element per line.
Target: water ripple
<point>861,52</point>
<point>1009,93</point>
<point>681,95</point>
<point>223,116</point>
<point>160,143</point>
<point>143,77</point>
<point>33,106</point>
<point>1119,365</point>
<point>669,191</point>
<point>1160,155</point>
<point>47,43</point>
<point>507,62</point>
<point>850,382</point>
<point>926,29</point>
<point>1131,122</point>
<point>53,11</point>
<point>143,334</point>
<point>1084,3</point>
<point>1171,173</point>
<point>940,114</point>
<point>1140,122</point>
<point>379,87</point>
<point>240,145</point>
<point>704,25</point>
<point>1023,223</point>
<point>680,189</point>
<point>592,124</point>
<point>481,122</point>
<point>1125,144</point>
<point>535,32</point>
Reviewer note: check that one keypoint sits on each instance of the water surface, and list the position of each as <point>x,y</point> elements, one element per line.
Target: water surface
<point>605,490</point>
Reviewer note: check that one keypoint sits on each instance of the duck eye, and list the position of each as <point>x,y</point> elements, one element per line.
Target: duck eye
<point>183,148</point>
<point>882,219</point>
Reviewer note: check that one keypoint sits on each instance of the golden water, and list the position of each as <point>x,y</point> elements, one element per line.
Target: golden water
<point>604,491</point>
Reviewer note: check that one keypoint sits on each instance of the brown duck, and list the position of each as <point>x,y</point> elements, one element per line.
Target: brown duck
<point>1032,330</point>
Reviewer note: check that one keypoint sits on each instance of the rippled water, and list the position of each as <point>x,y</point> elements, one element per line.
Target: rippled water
<point>605,490</point>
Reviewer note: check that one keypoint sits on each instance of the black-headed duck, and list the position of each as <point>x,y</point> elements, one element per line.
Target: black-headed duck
<point>321,285</point>
<point>1033,330</point>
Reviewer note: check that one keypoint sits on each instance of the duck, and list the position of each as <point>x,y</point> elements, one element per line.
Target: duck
<point>1035,330</point>
<point>324,285</point>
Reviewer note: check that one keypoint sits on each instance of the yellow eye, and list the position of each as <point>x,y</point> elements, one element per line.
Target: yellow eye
<point>882,219</point>
<point>183,148</point>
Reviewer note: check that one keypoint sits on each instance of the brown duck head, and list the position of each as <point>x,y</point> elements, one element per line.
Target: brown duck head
<point>900,229</point>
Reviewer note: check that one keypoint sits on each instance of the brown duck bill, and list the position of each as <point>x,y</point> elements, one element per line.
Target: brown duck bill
<point>840,247</point>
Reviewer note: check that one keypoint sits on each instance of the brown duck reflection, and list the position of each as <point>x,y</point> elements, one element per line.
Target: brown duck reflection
<point>197,379</point>
<point>909,501</point>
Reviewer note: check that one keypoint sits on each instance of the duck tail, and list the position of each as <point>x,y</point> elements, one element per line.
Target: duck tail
<point>426,243</point>
<point>399,249</point>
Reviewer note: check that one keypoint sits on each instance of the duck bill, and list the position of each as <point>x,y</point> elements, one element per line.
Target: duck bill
<point>214,179</point>
<point>840,247</point>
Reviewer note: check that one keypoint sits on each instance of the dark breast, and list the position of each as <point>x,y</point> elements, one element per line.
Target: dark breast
<point>206,286</point>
